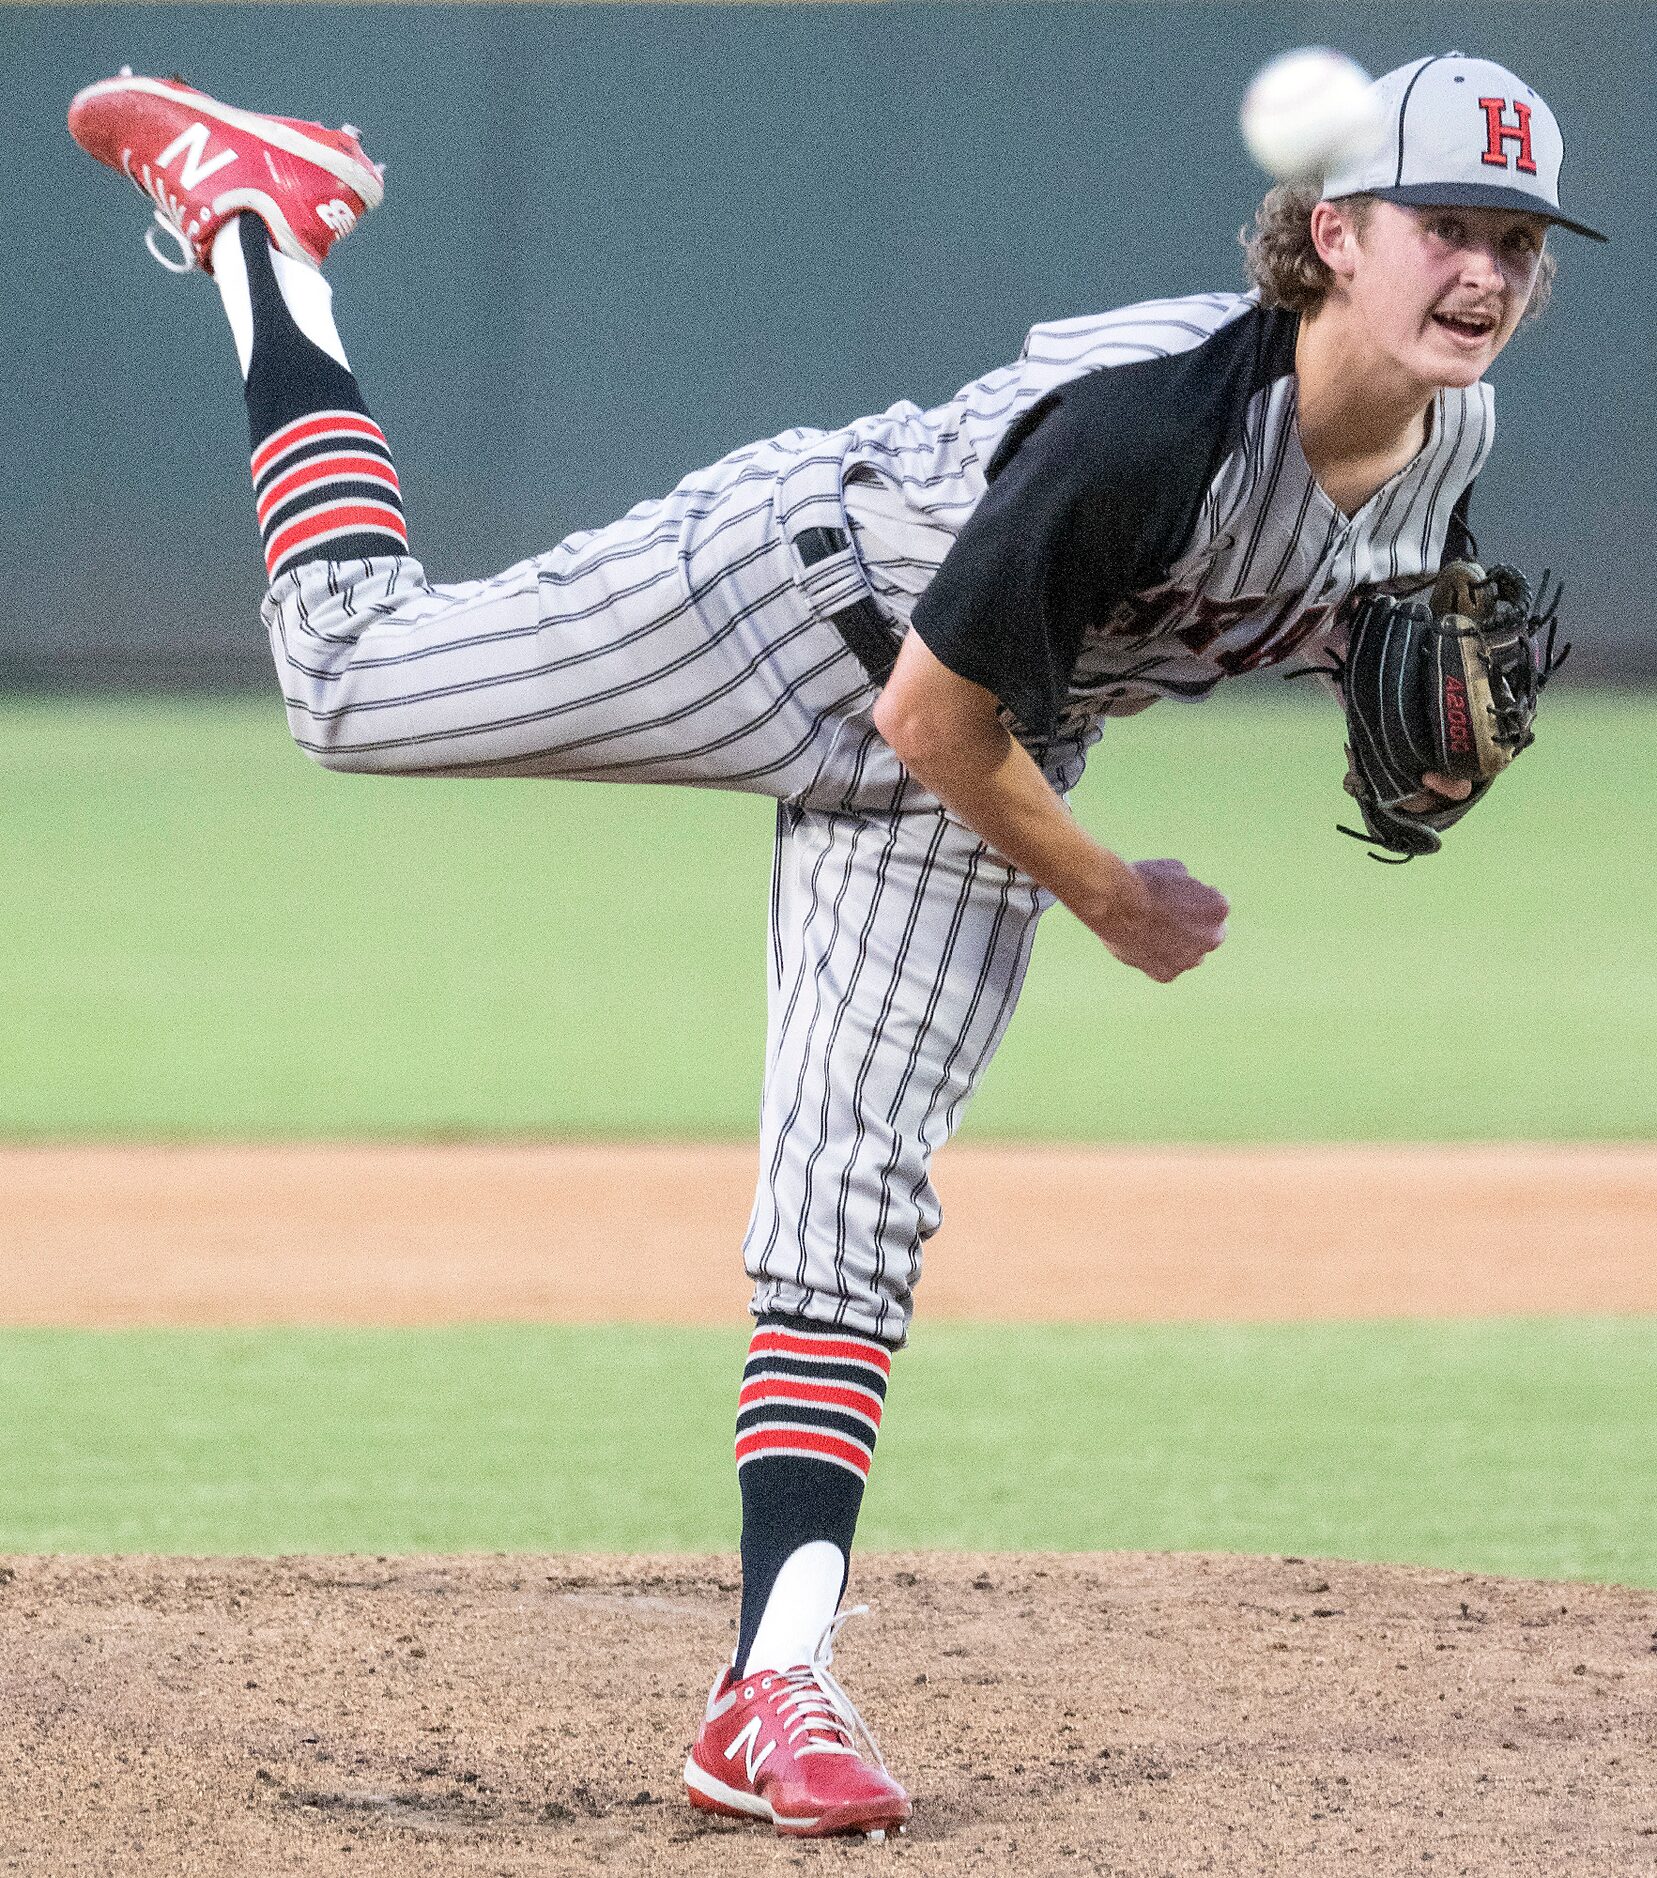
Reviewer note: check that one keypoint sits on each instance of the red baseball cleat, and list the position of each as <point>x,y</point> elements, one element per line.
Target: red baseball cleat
<point>782,1745</point>
<point>202,162</point>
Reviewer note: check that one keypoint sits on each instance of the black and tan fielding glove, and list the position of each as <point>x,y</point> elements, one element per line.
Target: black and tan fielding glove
<point>1446,682</point>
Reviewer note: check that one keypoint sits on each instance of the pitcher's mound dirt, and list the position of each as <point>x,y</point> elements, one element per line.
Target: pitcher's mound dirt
<point>510,1717</point>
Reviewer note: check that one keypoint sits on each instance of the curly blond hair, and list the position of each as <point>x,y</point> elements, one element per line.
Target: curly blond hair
<point>1282,261</point>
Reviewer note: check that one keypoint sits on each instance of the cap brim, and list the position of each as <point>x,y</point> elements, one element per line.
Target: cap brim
<point>1480,196</point>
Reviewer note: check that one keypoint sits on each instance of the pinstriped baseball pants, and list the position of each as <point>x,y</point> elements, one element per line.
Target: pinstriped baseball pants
<point>677,646</point>
<point>898,946</point>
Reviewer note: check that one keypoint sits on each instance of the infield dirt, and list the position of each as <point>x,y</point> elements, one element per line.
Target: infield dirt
<point>508,1718</point>
<point>357,1234</point>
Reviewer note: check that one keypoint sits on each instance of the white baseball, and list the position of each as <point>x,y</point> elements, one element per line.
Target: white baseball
<point>1305,109</point>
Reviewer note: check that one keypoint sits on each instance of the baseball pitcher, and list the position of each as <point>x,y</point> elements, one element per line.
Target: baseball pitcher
<point>909,632</point>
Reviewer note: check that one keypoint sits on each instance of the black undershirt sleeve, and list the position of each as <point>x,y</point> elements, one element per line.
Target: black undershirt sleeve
<point>1049,546</point>
<point>1091,496</point>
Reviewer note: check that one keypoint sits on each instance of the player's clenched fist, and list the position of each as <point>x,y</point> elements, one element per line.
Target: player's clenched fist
<point>1172,924</point>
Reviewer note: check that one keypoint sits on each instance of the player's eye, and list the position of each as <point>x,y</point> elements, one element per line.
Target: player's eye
<point>1523,241</point>
<point>1448,228</point>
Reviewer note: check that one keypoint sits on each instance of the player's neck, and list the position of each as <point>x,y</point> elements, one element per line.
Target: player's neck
<point>1354,405</point>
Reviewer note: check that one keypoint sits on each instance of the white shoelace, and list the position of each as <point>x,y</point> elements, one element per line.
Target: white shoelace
<point>815,1704</point>
<point>186,262</point>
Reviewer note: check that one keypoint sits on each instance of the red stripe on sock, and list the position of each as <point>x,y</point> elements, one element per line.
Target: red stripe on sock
<point>320,469</point>
<point>819,1394</point>
<point>303,429</point>
<point>365,517</point>
<point>837,1349</point>
<point>759,1442</point>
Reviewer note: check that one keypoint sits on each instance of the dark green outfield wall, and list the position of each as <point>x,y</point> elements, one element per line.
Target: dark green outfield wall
<point>620,240</point>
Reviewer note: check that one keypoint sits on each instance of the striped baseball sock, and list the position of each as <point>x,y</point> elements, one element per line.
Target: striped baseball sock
<point>323,478</point>
<point>806,1424</point>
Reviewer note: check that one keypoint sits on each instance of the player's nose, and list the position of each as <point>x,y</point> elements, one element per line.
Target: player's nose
<point>1481,264</point>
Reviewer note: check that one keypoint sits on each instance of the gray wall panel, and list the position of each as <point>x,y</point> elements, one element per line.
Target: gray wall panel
<point>619,240</point>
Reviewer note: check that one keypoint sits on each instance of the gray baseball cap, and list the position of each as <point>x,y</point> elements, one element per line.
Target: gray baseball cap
<point>1460,133</point>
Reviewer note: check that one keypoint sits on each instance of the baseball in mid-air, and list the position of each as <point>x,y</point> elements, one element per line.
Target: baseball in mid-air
<point>1306,108</point>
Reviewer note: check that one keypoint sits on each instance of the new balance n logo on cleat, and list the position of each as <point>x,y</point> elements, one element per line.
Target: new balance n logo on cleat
<point>191,145</point>
<point>747,1744</point>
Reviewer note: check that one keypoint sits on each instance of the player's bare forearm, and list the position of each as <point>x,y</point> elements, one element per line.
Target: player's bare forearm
<point>947,732</point>
<point>949,737</point>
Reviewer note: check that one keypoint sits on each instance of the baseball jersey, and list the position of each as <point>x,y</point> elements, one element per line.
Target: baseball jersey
<point>1126,512</point>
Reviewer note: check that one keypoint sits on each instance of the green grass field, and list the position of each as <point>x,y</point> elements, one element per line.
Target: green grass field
<point>1524,1447</point>
<point>204,935</point>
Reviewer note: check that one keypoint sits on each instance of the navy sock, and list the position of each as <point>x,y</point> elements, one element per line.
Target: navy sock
<point>807,1420</point>
<point>323,478</point>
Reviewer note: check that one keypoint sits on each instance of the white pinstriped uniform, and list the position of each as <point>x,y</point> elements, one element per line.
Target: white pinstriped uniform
<point>690,642</point>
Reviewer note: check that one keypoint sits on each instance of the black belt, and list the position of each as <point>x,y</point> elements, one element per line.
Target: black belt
<point>866,630</point>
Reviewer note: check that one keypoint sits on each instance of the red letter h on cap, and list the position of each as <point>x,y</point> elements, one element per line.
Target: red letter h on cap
<point>1500,134</point>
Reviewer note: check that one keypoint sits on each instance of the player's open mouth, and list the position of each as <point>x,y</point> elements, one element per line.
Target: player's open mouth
<point>1470,328</point>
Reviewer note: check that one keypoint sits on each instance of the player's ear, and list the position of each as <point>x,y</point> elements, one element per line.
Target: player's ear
<point>1334,230</point>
